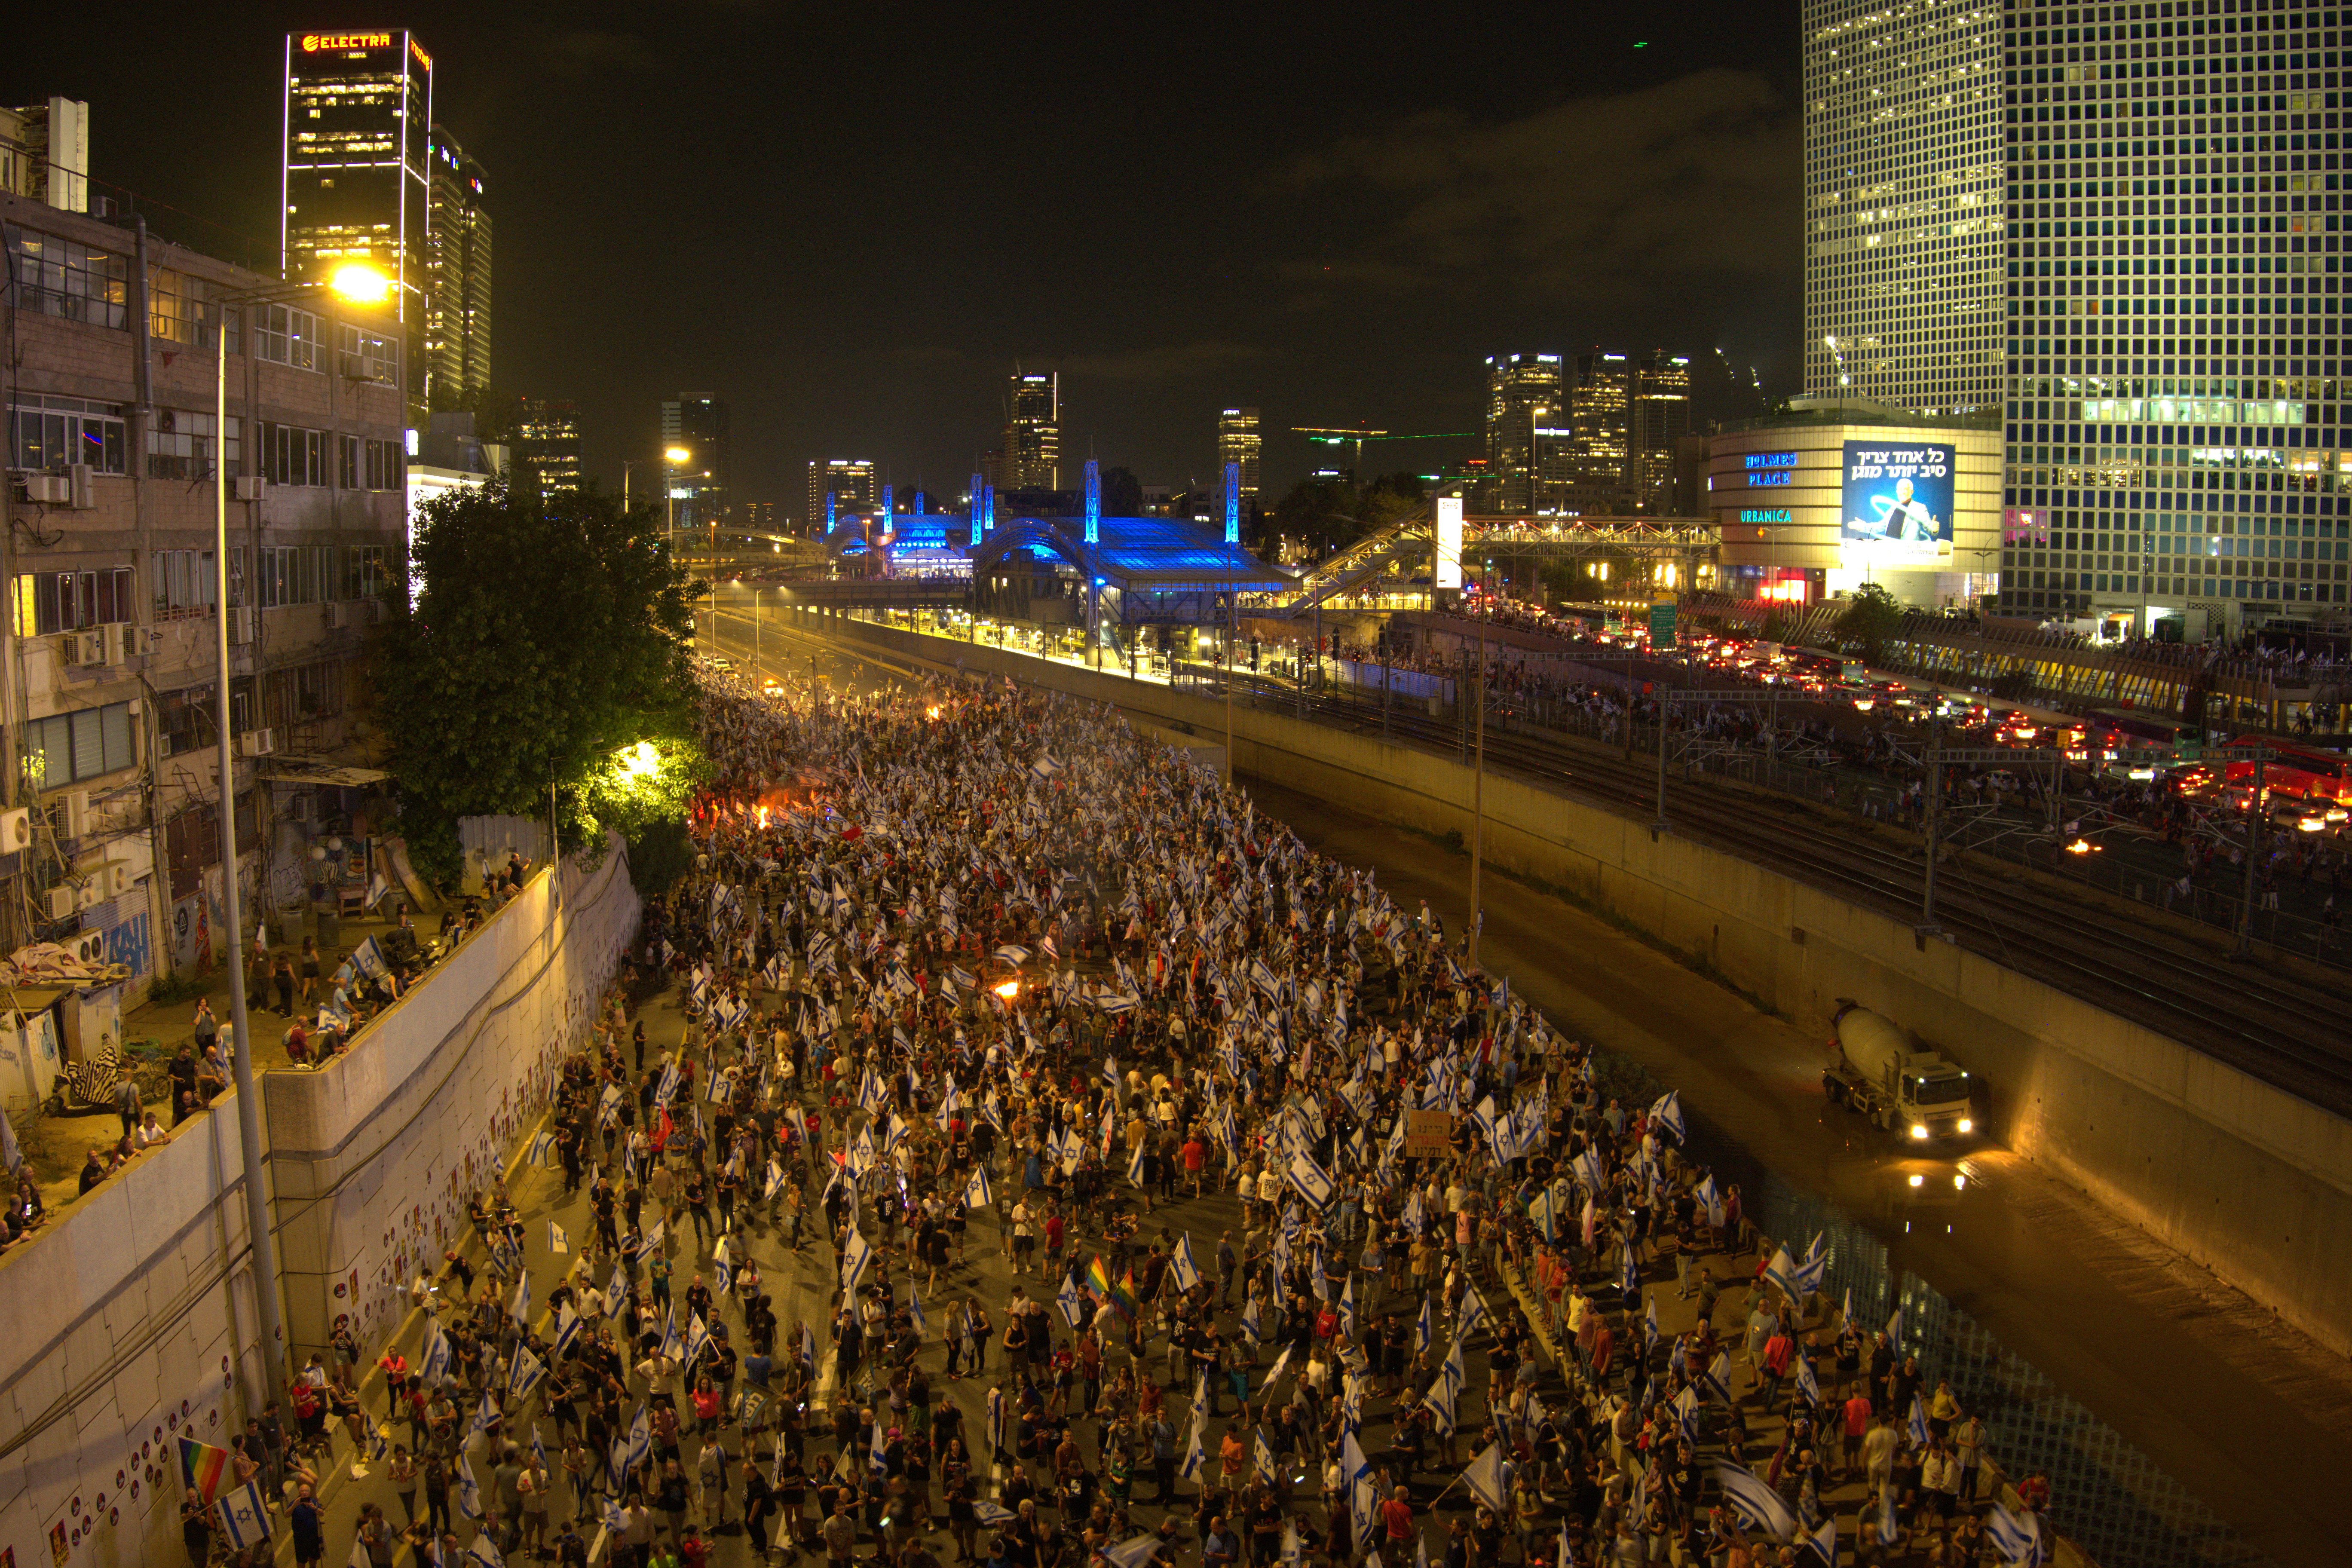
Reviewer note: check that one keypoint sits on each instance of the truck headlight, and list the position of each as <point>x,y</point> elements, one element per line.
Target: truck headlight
<point>1967,1125</point>
<point>1918,1129</point>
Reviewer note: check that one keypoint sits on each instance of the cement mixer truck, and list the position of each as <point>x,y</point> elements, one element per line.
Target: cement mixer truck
<point>1877,1068</point>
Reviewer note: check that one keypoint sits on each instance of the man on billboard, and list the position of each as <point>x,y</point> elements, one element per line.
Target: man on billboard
<point>1903,517</point>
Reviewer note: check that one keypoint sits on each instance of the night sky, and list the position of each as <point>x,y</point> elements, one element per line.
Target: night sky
<point>851,220</point>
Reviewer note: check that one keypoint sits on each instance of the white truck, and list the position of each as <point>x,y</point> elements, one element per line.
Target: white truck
<point>1877,1068</point>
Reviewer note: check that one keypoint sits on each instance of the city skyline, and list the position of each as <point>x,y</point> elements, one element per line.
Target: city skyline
<point>1321,290</point>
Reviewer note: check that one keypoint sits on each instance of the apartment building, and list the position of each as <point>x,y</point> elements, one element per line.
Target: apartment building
<point>110,842</point>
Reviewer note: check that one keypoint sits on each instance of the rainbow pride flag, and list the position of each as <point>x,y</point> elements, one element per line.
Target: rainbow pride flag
<point>1098,1278</point>
<point>203,1466</point>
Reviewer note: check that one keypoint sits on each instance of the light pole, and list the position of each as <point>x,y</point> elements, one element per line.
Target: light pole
<point>673,459</point>
<point>360,284</point>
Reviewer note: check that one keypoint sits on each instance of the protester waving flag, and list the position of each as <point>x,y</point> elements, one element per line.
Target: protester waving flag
<point>1824,1544</point>
<point>1182,1265</point>
<point>2016,1537</point>
<point>1667,1112</point>
<point>1484,1479</point>
<point>1759,1505</point>
<point>245,1520</point>
<point>203,1467</point>
<point>470,1493</point>
<point>1073,1304</point>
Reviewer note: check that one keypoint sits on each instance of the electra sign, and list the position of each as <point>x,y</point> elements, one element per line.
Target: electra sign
<point>313,42</point>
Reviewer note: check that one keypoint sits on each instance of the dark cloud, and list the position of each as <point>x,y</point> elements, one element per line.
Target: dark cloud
<point>1171,363</point>
<point>1598,198</point>
<point>582,51</point>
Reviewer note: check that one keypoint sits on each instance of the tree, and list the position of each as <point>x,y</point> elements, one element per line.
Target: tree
<point>1870,619</point>
<point>547,649</point>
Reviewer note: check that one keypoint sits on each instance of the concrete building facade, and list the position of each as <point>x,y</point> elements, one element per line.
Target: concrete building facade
<point>107,676</point>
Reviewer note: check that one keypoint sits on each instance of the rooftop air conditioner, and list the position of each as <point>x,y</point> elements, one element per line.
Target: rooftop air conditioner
<point>16,830</point>
<point>90,947</point>
<point>115,878</point>
<point>90,890</point>
<point>48,489</point>
<point>58,903</point>
<point>82,647</point>
<point>258,742</point>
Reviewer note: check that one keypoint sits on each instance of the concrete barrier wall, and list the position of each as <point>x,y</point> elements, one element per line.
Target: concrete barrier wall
<point>129,1322</point>
<point>2247,1180</point>
<point>375,1155</point>
<point>130,1319</point>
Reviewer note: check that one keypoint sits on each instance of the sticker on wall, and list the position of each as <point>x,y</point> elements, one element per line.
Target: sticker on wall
<point>113,1516</point>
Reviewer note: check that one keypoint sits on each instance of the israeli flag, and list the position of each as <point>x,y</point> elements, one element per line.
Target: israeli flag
<point>469,1494</point>
<point>723,1268</point>
<point>1806,1383</point>
<point>976,1194</point>
<point>1917,1423</point>
<point>917,1315</point>
<point>567,1329</point>
<point>244,1519</point>
<point>1824,1542</point>
<point>1012,954</point>
<point>2016,1537</point>
<point>539,1146</point>
<point>1195,1455</point>
<point>775,1179</point>
<point>1484,1479</point>
<point>485,1414</point>
<point>1423,1329</point>
<point>1135,1166</point>
<point>436,1355</point>
<point>1071,1304</point>
<point>1182,1265</point>
<point>1261,1457</point>
<point>557,1242</point>
<point>1781,1272</point>
<point>519,1307</point>
<point>1756,1504</point>
<point>878,1452</point>
<point>1250,1323</point>
<point>1685,1408</point>
<point>1474,1312</point>
<point>524,1375</point>
<point>484,1553</point>
<point>1717,1378</point>
<point>1814,1269</point>
<point>855,1256</point>
<point>1667,1112</point>
<point>1895,1330</point>
<point>1348,1307</point>
<point>1310,1181</point>
<point>1139,1552</point>
<point>1650,1325</point>
<point>641,1437</point>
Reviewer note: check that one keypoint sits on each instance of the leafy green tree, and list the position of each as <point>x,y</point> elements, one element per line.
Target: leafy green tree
<point>547,650</point>
<point>1869,617</point>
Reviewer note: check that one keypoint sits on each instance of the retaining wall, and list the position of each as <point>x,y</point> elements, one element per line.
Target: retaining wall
<point>2247,1180</point>
<point>131,1318</point>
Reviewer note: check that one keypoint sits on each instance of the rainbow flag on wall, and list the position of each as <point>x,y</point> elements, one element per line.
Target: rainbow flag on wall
<point>203,1466</point>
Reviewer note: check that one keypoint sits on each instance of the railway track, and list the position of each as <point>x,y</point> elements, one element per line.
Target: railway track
<point>2285,1029</point>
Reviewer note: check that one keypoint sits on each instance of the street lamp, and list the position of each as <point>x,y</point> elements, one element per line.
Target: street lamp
<point>360,284</point>
<point>673,459</point>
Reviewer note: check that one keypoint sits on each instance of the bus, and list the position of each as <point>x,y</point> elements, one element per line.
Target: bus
<point>2305,771</point>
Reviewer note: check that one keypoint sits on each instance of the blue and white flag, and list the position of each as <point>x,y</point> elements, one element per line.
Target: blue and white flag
<point>470,1493</point>
<point>1348,1307</point>
<point>1667,1112</point>
<point>976,1194</point>
<point>1180,1263</point>
<point>878,1451</point>
<point>567,1329</point>
<point>1807,1385</point>
<point>1824,1542</point>
<point>1250,1322</point>
<point>1916,1422</point>
<point>1813,1268</point>
<point>1895,1330</point>
<point>1138,1552</point>
<point>1195,1455</point>
<point>524,1375</point>
<point>916,1314</point>
<point>1474,1314</point>
<point>1261,1457</point>
<point>1758,1505</point>
<point>855,1254</point>
<point>1310,1181</point>
<point>540,1146</point>
<point>2017,1538</point>
<point>436,1355</point>
<point>485,1416</point>
<point>518,1309</point>
<point>722,1269</point>
<point>641,1437</point>
<point>1484,1479</point>
<point>244,1519</point>
<point>1425,1328</point>
<point>557,1242</point>
<point>1072,1305</point>
<point>484,1553</point>
<point>1717,1378</point>
<point>1890,1529</point>
<point>1781,1272</point>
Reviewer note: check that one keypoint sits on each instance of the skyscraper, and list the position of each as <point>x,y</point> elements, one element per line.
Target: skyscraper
<point>1903,202</point>
<point>1526,409</point>
<point>547,442</point>
<point>1033,431</point>
<point>353,186</point>
<point>1239,442</point>
<point>1601,402</point>
<point>2175,452</point>
<point>1657,417</point>
<point>849,480</point>
<point>698,486</point>
<point>458,276</point>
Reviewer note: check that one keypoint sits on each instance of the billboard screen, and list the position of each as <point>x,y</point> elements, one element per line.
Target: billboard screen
<point>1449,542</point>
<point>1896,504</point>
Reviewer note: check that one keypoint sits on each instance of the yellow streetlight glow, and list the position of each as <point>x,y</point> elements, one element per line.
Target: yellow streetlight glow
<point>640,759</point>
<point>678,457</point>
<point>360,284</point>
